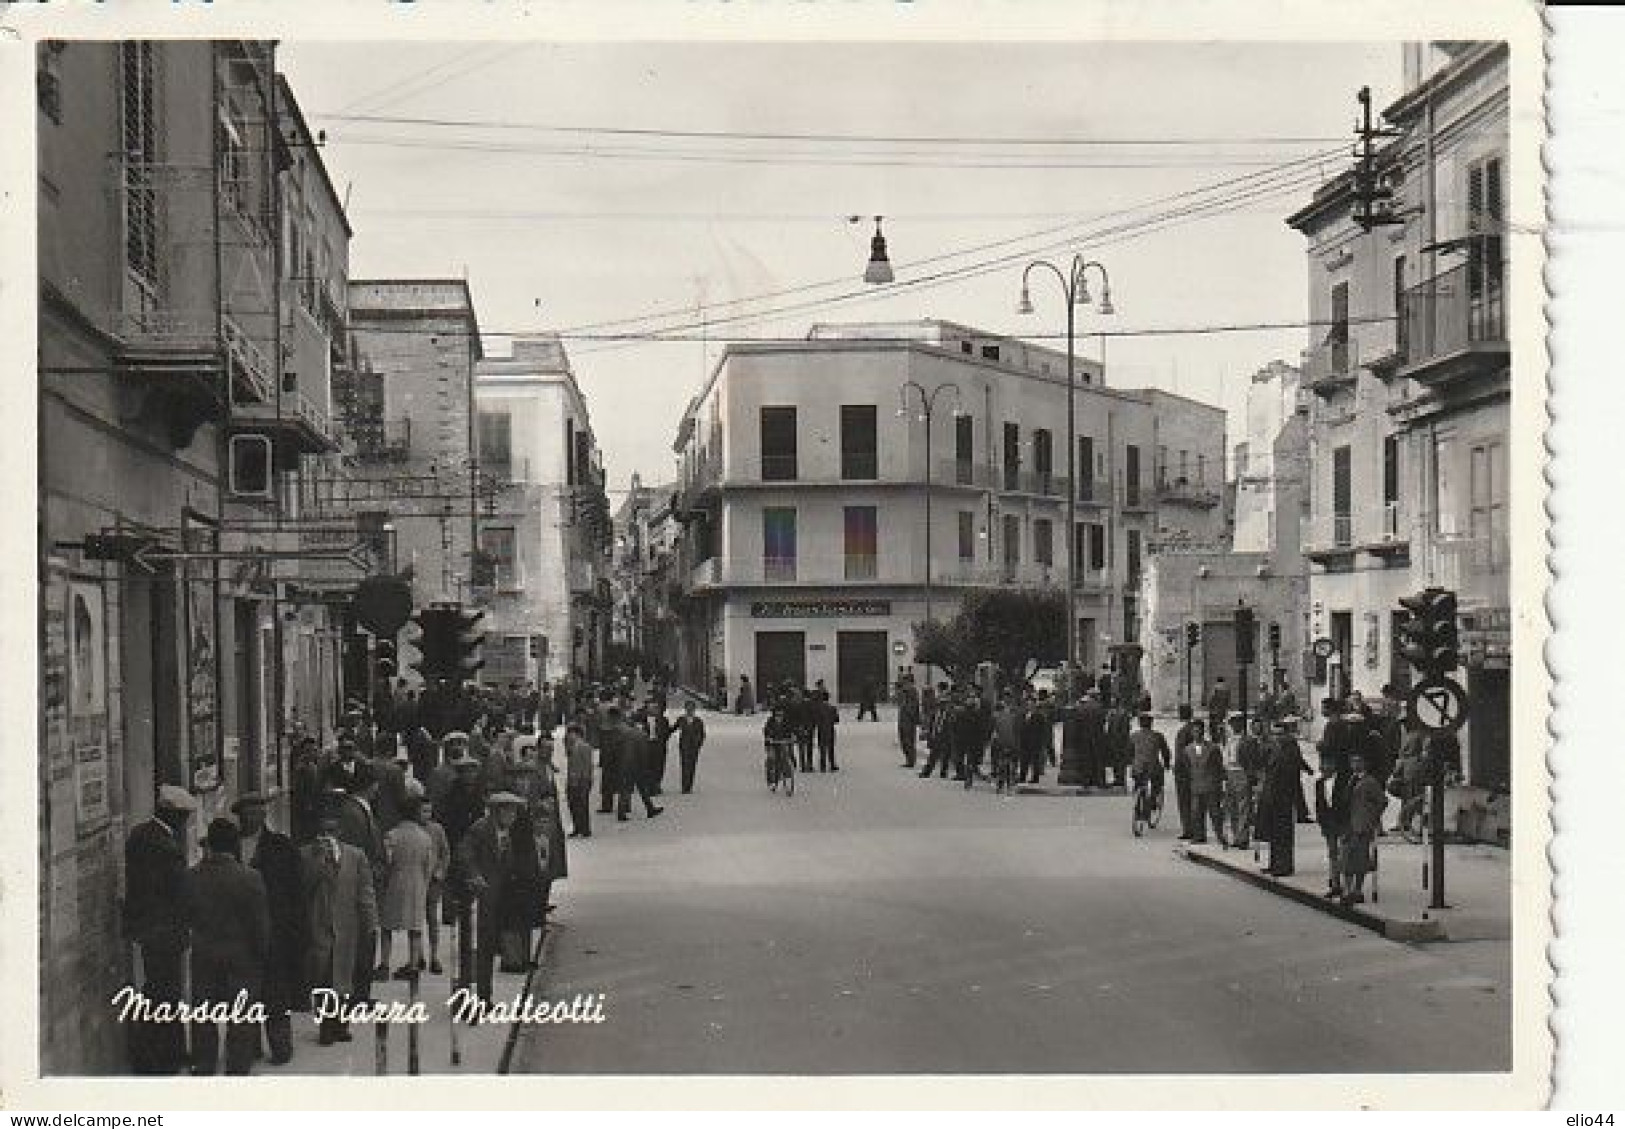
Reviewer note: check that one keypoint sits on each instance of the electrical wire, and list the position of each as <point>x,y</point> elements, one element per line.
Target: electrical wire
<point>840,138</point>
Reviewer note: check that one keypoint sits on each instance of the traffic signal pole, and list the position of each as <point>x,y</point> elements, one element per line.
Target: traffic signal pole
<point>1436,829</point>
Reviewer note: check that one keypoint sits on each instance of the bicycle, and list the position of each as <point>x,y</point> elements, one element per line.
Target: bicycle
<point>781,767</point>
<point>1147,805</point>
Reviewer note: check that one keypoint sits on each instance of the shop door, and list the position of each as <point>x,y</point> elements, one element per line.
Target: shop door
<point>1489,728</point>
<point>781,656</point>
<point>860,659</point>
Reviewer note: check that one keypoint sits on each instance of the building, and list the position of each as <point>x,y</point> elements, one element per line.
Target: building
<point>646,533</point>
<point>1260,567</point>
<point>183,406</point>
<point>1410,379</point>
<point>810,477</point>
<point>413,484</point>
<point>548,537</point>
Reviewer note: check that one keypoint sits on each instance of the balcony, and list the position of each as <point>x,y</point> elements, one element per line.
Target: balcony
<point>1329,536</point>
<point>1476,568</point>
<point>1094,492</point>
<point>779,468</point>
<point>1389,536</point>
<point>1181,492</point>
<point>1331,366</point>
<point>964,472</point>
<point>381,440</point>
<point>860,466</point>
<point>705,576</point>
<point>295,424</point>
<point>861,566</point>
<point>778,569</point>
<point>1041,483</point>
<point>704,478</point>
<point>1454,324</point>
<point>1136,499</point>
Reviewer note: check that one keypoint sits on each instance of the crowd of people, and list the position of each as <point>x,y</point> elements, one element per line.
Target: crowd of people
<point>433,817</point>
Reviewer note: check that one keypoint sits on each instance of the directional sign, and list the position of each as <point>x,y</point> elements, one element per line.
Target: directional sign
<point>149,556</point>
<point>1437,705</point>
<point>1324,648</point>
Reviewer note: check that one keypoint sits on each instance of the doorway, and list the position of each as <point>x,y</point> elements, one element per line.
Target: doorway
<point>860,659</point>
<point>781,656</point>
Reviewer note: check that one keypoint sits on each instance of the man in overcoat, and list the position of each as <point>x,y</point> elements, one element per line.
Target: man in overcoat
<point>342,910</point>
<point>273,856</point>
<point>231,939</point>
<point>155,919</point>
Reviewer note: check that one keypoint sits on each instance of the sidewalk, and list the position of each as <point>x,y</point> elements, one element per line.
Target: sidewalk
<point>1478,886</point>
<point>479,1048</point>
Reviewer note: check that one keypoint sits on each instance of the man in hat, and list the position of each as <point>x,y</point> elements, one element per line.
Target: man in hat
<point>341,907</point>
<point>612,741</point>
<point>498,864</point>
<point>273,856</point>
<point>342,770</point>
<point>155,919</point>
<point>633,775</point>
<point>231,937</point>
<point>1276,816</point>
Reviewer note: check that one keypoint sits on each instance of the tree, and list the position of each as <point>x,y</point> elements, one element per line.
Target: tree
<point>1007,627</point>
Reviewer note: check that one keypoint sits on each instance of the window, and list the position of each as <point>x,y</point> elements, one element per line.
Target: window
<point>1342,497</point>
<point>139,137</point>
<point>501,545</point>
<point>1131,475</point>
<point>1184,466</point>
<point>1485,220</point>
<point>964,449</point>
<point>858,449</point>
<point>1401,335</point>
<point>779,543</point>
<point>1044,541</point>
<point>1097,546</point>
<point>778,444</point>
<point>496,444</point>
<point>1390,470</point>
<point>1338,336</point>
<point>1080,545</point>
<point>1086,468</point>
<point>967,535</point>
<point>1201,468</point>
<point>234,162</point>
<point>1133,571</point>
<point>1043,458</point>
<point>862,542</point>
<point>1012,456</point>
<point>570,473</point>
<point>1487,493</point>
<point>584,469</point>
<point>990,352</point>
<point>1012,546</point>
<point>1131,619</point>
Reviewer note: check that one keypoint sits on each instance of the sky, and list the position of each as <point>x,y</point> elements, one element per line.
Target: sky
<point>578,184</point>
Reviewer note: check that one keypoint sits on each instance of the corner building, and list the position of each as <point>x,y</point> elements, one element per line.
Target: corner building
<point>805,474</point>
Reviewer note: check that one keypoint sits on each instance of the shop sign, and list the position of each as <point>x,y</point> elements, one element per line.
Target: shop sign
<point>818,609</point>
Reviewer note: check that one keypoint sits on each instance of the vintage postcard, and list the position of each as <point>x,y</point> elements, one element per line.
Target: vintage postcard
<point>781,554</point>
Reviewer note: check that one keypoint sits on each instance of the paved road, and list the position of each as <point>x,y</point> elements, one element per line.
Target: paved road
<point>880,923</point>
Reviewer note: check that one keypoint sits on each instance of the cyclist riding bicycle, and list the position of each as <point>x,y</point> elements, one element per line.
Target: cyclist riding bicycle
<point>1151,757</point>
<point>778,738</point>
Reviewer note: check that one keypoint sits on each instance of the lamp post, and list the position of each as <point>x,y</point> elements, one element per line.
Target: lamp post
<point>928,407</point>
<point>1075,288</point>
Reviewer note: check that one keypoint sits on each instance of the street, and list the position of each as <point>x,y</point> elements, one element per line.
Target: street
<point>879,923</point>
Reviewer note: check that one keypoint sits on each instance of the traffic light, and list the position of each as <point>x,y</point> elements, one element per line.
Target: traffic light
<point>467,638</point>
<point>1193,635</point>
<point>1275,636</point>
<point>1428,639</point>
<point>1245,631</point>
<point>435,642</point>
<point>384,659</point>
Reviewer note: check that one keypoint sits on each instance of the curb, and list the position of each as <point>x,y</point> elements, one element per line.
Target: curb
<point>511,1043</point>
<point>1066,790</point>
<point>1393,929</point>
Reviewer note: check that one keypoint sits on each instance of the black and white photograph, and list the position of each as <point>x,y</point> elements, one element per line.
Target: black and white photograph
<point>790,556</point>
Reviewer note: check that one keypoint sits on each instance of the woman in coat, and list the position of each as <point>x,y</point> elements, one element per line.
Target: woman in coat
<point>410,853</point>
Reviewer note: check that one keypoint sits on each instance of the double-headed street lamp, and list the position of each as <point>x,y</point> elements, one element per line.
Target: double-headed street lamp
<point>1075,287</point>
<point>928,407</point>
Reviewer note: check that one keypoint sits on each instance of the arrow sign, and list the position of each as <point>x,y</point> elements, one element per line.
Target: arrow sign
<point>147,557</point>
<point>1438,705</point>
